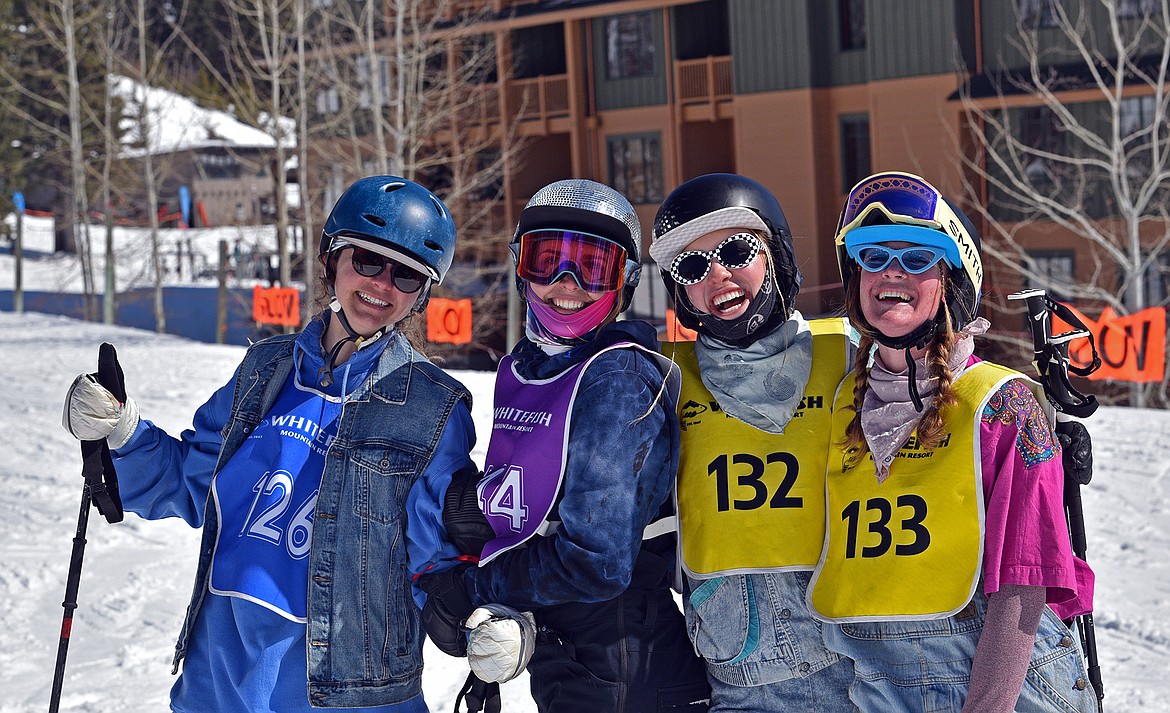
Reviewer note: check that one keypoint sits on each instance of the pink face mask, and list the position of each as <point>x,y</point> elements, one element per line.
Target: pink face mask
<point>571,326</point>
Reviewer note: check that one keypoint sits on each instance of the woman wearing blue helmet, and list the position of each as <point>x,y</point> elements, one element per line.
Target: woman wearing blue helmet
<point>301,471</point>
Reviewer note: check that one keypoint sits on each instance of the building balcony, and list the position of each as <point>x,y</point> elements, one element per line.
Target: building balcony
<point>704,87</point>
<point>536,102</point>
<point>539,99</point>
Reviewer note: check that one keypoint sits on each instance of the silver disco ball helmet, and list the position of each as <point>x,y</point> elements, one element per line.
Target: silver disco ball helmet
<point>581,205</point>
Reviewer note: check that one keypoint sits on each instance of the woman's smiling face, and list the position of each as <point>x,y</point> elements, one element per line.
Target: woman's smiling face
<point>370,303</point>
<point>565,295</point>
<point>725,293</point>
<point>895,302</point>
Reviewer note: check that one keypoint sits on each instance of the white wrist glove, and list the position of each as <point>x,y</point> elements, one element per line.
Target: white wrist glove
<point>500,642</point>
<point>92,413</point>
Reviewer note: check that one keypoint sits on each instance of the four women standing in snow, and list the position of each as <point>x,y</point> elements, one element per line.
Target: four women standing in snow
<point>894,544</point>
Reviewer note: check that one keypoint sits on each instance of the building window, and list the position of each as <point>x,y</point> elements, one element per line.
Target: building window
<point>334,186</point>
<point>365,81</point>
<point>855,153</point>
<point>1157,279</point>
<point>489,175</point>
<point>1048,269</point>
<point>851,24</point>
<point>329,98</point>
<point>328,101</point>
<point>1137,113</point>
<point>629,45</point>
<point>1135,8</point>
<point>365,85</point>
<point>213,165</point>
<point>1037,13</point>
<point>635,167</point>
<point>1041,132</point>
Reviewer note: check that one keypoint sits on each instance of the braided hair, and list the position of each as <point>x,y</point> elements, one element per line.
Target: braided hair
<point>931,429</point>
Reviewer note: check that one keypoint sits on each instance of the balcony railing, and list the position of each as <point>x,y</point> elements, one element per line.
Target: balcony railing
<point>535,99</point>
<point>539,98</point>
<point>702,81</point>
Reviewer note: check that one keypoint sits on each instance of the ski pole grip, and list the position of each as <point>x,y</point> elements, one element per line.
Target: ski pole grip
<point>1039,320</point>
<point>109,373</point>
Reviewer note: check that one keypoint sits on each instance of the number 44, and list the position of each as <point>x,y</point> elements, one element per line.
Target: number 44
<point>507,500</point>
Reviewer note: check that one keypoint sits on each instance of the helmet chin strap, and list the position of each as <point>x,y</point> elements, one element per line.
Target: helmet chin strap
<point>325,375</point>
<point>917,339</point>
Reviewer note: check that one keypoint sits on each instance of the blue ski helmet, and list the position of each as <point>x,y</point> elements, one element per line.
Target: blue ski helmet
<point>396,218</point>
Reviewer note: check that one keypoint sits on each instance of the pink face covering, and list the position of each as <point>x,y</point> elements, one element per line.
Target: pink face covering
<point>571,326</point>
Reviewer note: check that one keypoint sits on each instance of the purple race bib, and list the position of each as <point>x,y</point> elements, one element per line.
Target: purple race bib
<point>529,447</point>
<point>526,454</point>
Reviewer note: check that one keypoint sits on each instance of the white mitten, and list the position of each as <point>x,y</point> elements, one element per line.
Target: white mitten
<point>500,642</point>
<point>92,413</point>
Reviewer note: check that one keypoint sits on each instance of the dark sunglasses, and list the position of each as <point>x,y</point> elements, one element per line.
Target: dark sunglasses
<point>368,263</point>
<point>734,252</point>
<point>914,259</point>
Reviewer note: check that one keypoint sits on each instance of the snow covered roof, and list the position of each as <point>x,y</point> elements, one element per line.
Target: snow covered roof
<point>177,123</point>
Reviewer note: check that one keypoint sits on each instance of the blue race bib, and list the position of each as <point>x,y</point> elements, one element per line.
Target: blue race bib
<point>265,497</point>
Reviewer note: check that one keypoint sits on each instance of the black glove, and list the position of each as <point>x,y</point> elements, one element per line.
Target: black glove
<point>1078,451</point>
<point>467,528</point>
<point>479,696</point>
<point>448,606</point>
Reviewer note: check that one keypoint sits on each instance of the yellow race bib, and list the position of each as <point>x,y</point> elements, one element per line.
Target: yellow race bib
<point>751,501</point>
<point>911,547</point>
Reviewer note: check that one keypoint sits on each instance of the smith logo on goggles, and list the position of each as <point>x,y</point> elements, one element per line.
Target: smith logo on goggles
<point>905,199</point>
<point>595,263</point>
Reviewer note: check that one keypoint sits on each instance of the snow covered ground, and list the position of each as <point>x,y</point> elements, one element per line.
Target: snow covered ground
<point>137,575</point>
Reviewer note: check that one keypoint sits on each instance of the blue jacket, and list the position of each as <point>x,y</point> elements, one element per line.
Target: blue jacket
<point>363,637</point>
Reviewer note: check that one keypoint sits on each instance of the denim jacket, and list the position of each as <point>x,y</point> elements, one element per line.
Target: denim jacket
<point>364,635</point>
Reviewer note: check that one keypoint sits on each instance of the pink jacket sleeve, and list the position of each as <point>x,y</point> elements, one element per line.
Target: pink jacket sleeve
<point>1027,541</point>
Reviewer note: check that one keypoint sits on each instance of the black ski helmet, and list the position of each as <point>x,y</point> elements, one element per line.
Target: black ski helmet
<point>724,200</point>
<point>396,218</point>
<point>588,207</point>
<point>904,207</point>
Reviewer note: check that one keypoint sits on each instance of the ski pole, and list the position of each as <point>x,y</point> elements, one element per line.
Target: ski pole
<point>1052,366</point>
<point>99,489</point>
